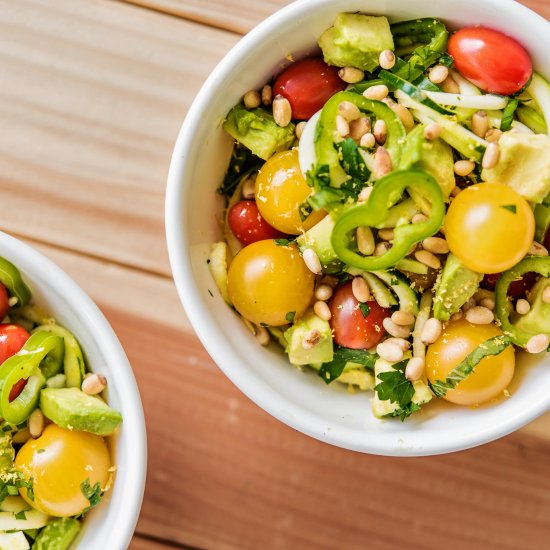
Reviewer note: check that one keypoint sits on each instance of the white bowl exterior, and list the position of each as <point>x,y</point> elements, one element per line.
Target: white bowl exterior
<point>111,524</point>
<point>200,159</point>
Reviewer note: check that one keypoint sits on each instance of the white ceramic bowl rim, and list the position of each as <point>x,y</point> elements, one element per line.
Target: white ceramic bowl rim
<point>111,525</point>
<point>204,321</point>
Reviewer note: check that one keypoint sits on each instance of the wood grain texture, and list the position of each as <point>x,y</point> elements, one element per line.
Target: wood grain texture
<point>93,94</point>
<point>241,15</point>
<point>224,474</point>
<point>140,543</point>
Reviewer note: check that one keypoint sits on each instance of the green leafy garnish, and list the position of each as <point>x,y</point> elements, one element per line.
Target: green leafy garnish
<point>20,515</point>
<point>13,480</point>
<point>508,115</point>
<point>332,370</point>
<point>326,196</point>
<point>351,160</point>
<point>365,309</point>
<point>510,207</point>
<point>93,494</point>
<point>282,242</point>
<point>243,161</point>
<point>290,316</point>
<point>493,346</point>
<point>395,387</point>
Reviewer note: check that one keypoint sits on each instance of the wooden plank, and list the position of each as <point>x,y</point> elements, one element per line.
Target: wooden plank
<point>224,474</point>
<point>241,15</point>
<point>140,543</point>
<point>93,94</point>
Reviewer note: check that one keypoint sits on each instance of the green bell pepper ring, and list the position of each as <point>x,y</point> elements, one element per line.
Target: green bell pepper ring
<point>11,278</point>
<point>535,264</point>
<point>325,152</point>
<point>40,358</point>
<point>385,194</point>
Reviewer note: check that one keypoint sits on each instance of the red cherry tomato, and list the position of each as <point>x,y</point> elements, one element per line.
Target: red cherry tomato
<point>517,289</point>
<point>247,224</point>
<point>12,339</point>
<point>4,305</point>
<point>17,388</point>
<point>308,84</point>
<point>493,61</point>
<point>351,328</point>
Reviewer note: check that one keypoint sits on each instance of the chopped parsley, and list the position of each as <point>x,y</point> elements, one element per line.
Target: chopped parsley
<point>93,494</point>
<point>20,515</point>
<point>332,370</point>
<point>395,387</point>
<point>365,309</point>
<point>13,480</point>
<point>290,316</point>
<point>282,242</point>
<point>510,207</point>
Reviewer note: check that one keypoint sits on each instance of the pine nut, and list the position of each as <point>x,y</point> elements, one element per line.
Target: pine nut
<point>382,162</point>
<point>419,218</point>
<point>267,95</point>
<point>546,294</point>
<point>490,158</point>
<point>493,135</point>
<point>36,423</point>
<point>364,194</point>
<point>311,339</point>
<point>21,436</point>
<point>404,114</point>
<point>360,289</point>
<point>349,111</point>
<point>438,74</point>
<point>403,318</point>
<point>431,331</point>
<point>389,352</point>
<point>368,141</point>
<point>427,258</point>
<point>480,124</point>
<point>342,126</point>
<point>262,335</point>
<point>414,369</point>
<point>252,99</point>
<point>537,249</point>
<point>381,248</point>
<point>300,128</point>
<point>432,131</point>
<point>312,261</point>
<point>248,189</point>
<point>365,240</point>
<point>387,60</point>
<point>537,344</point>
<point>450,86</point>
<point>323,292</point>
<point>457,316</point>
<point>436,245</point>
<point>405,345</point>
<point>523,306</point>
<point>94,384</point>
<point>12,301</point>
<point>282,111</point>
<point>378,92</point>
<point>359,127</point>
<point>380,131</point>
<point>351,75</point>
<point>322,310</point>
<point>464,167</point>
<point>489,303</point>
<point>479,315</point>
<point>399,331</point>
<point>469,304</point>
<point>386,234</point>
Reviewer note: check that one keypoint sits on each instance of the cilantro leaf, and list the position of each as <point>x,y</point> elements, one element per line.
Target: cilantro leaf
<point>365,309</point>
<point>393,386</point>
<point>20,515</point>
<point>93,494</point>
<point>510,207</point>
<point>243,162</point>
<point>324,195</point>
<point>333,369</point>
<point>351,160</point>
<point>13,480</point>
<point>493,346</point>
<point>282,242</point>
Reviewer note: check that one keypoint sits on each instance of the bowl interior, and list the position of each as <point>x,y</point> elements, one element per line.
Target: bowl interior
<point>112,522</point>
<point>302,400</point>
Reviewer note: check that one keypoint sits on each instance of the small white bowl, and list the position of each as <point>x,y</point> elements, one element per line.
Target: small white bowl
<point>111,524</point>
<point>199,161</point>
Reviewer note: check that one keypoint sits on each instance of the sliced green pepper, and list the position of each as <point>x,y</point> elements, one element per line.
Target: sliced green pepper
<point>519,335</point>
<point>11,278</point>
<point>542,220</point>
<point>40,358</point>
<point>326,153</point>
<point>387,192</point>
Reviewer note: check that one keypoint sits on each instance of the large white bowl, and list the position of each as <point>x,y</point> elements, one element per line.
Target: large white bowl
<point>111,524</point>
<point>199,161</point>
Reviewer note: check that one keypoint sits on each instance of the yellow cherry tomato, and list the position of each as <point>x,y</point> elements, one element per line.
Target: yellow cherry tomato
<point>281,191</point>
<point>58,462</point>
<point>489,378</point>
<point>267,281</point>
<point>489,227</point>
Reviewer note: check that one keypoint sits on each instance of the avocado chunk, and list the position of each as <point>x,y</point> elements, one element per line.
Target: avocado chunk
<point>455,287</point>
<point>356,40</point>
<point>257,130</point>
<point>71,408</point>
<point>537,320</point>
<point>57,535</point>
<point>322,352</point>
<point>437,160</point>
<point>318,238</point>
<point>523,165</point>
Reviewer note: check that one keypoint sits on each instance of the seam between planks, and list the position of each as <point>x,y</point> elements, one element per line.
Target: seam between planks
<point>164,542</point>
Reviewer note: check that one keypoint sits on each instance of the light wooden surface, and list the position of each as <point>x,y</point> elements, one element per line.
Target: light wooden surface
<point>91,99</point>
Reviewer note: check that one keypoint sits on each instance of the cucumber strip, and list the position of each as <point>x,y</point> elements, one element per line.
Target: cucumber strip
<point>13,504</point>
<point>419,348</point>
<point>379,290</point>
<point>400,214</point>
<point>486,102</point>
<point>495,120</point>
<point>533,120</point>
<point>408,299</point>
<point>465,86</point>
<point>539,89</point>
<point>412,266</point>
<point>33,520</point>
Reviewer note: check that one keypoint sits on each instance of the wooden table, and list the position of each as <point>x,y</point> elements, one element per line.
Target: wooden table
<point>92,96</point>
